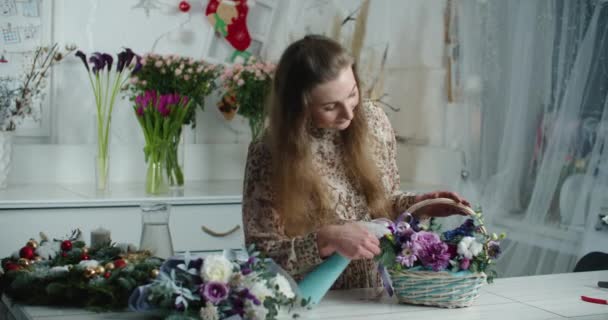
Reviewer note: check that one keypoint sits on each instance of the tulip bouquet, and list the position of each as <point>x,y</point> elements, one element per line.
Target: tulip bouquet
<point>217,288</point>
<point>172,74</point>
<point>106,82</point>
<point>161,118</point>
<point>246,89</point>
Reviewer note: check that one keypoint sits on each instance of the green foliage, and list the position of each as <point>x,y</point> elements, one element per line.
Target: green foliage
<point>40,284</point>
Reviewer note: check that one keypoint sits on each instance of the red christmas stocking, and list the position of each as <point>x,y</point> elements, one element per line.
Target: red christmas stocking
<point>229,19</point>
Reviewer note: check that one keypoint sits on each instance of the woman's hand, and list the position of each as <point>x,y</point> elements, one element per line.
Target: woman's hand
<point>350,240</point>
<point>440,210</point>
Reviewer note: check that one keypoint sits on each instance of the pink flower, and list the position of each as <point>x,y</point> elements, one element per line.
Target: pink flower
<point>240,82</point>
<point>178,72</point>
<point>200,68</point>
<point>163,71</point>
<point>133,80</point>
<point>189,70</point>
<point>186,77</point>
<point>158,63</point>
<point>465,264</point>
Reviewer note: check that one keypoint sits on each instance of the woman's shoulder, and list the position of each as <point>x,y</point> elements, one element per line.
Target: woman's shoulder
<point>377,121</point>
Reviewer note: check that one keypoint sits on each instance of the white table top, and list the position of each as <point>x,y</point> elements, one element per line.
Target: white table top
<point>548,297</point>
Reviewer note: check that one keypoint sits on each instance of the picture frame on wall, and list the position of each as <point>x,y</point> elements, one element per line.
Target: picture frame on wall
<point>24,26</point>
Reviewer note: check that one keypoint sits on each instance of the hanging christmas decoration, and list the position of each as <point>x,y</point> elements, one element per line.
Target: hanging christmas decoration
<point>184,6</point>
<point>229,20</point>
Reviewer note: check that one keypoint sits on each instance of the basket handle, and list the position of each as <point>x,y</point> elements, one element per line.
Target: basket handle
<point>446,201</point>
<point>418,205</point>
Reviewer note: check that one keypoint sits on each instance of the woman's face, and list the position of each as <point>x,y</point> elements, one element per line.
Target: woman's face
<point>334,102</point>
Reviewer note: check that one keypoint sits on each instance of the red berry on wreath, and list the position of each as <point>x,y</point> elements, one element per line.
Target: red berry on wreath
<point>66,245</point>
<point>120,263</point>
<point>107,274</point>
<point>85,256</point>
<point>184,6</point>
<point>27,252</point>
<point>11,266</point>
<point>64,254</point>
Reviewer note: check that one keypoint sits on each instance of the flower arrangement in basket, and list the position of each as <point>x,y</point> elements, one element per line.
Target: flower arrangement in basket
<point>443,269</point>
<point>218,287</point>
<point>65,272</point>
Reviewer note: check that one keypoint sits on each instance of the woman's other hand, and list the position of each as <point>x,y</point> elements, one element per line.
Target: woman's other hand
<point>350,240</point>
<point>440,210</point>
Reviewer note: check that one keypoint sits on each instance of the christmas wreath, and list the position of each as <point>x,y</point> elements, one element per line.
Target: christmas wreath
<point>65,272</point>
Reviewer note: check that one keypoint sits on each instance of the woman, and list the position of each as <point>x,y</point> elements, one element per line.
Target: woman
<point>325,161</point>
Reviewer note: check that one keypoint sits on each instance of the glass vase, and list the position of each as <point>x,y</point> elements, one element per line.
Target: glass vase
<point>155,232</point>
<point>157,182</point>
<point>102,173</point>
<point>6,151</point>
<point>175,163</point>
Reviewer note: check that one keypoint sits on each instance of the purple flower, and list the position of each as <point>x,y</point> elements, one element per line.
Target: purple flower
<point>83,57</point>
<point>215,292</point>
<point>407,256</point>
<point>494,249</point>
<point>430,250</point>
<point>435,256</point>
<point>98,62</point>
<point>107,60</point>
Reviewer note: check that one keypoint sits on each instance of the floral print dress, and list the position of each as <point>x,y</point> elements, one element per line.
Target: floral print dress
<point>298,255</point>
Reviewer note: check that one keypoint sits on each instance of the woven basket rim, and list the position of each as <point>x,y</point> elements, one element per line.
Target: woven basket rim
<point>435,274</point>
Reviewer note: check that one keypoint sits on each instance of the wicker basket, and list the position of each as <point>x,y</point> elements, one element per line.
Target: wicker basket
<point>439,289</point>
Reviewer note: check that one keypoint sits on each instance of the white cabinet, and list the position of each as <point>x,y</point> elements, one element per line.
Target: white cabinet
<point>206,218</point>
<point>222,225</point>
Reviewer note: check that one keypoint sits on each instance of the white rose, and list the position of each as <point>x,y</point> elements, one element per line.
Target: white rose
<point>216,268</point>
<point>255,312</point>
<point>469,248</point>
<point>283,285</point>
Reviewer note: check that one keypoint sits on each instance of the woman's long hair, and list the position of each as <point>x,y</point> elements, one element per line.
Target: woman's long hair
<point>305,64</point>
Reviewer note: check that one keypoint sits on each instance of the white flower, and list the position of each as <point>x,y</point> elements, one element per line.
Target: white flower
<point>89,263</point>
<point>255,312</point>
<point>259,288</point>
<point>469,248</point>
<point>209,312</point>
<point>216,268</point>
<point>283,285</point>
<point>48,249</point>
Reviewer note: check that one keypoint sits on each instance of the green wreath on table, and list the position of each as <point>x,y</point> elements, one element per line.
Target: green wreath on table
<point>65,272</point>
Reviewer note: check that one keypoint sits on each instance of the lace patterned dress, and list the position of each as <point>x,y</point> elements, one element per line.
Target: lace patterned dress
<point>298,255</point>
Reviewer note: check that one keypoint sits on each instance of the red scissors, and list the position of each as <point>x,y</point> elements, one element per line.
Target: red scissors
<point>594,300</point>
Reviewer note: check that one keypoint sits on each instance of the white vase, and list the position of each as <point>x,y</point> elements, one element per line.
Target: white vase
<point>6,151</point>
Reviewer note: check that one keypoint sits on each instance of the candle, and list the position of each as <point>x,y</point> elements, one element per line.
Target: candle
<point>100,237</point>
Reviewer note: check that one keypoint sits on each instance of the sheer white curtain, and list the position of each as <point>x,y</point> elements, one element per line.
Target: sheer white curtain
<point>534,88</point>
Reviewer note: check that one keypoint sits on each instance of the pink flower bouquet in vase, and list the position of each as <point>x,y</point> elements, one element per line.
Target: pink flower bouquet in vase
<point>187,77</point>
<point>439,268</point>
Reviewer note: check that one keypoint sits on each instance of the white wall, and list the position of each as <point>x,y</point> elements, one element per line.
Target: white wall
<point>415,79</point>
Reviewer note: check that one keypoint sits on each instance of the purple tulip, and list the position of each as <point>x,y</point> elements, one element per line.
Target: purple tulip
<point>121,61</point>
<point>83,57</point>
<point>97,61</point>
<point>107,60</point>
<point>214,292</point>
